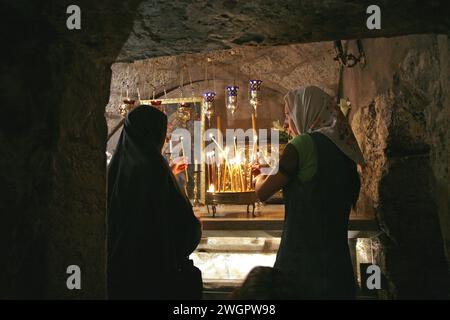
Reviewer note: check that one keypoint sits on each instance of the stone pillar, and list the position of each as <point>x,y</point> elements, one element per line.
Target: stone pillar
<point>53,141</point>
<point>399,105</point>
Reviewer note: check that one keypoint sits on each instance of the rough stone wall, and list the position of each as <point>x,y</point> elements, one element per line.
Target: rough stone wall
<point>400,118</point>
<point>52,178</point>
<point>182,26</point>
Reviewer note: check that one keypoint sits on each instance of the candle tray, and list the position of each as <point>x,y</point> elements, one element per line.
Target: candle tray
<point>234,198</point>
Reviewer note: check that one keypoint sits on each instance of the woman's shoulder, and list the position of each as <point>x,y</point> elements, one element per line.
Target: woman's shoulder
<point>302,142</point>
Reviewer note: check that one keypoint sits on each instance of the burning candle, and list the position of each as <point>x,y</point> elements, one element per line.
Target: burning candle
<point>254,123</point>
<point>255,148</point>
<point>219,175</point>
<point>225,169</point>
<point>208,168</point>
<point>219,125</point>
<point>224,178</point>
<point>241,176</point>
<point>245,174</point>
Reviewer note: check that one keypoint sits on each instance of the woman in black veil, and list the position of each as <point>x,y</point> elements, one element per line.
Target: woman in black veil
<point>151,226</point>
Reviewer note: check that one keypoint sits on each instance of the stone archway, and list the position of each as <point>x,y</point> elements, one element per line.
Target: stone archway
<point>54,134</point>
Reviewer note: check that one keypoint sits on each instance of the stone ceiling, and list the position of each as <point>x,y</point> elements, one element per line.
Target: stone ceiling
<point>180,26</point>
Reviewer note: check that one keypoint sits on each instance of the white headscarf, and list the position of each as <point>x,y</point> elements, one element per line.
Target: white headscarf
<point>312,110</point>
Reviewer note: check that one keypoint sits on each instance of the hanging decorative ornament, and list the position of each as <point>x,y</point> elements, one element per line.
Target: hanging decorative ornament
<point>255,94</point>
<point>208,106</point>
<point>232,101</point>
<point>184,111</point>
<point>126,106</point>
<point>157,104</point>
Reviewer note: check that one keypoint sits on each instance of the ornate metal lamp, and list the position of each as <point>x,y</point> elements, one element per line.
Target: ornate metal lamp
<point>232,101</point>
<point>208,105</point>
<point>255,94</point>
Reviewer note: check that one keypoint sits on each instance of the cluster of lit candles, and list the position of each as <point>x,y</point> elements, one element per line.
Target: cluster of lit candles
<point>231,173</point>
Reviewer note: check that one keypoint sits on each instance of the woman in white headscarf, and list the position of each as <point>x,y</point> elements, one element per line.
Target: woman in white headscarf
<point>318,174</point>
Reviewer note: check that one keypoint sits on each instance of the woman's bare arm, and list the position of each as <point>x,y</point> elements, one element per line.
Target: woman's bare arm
<point>266,186</point>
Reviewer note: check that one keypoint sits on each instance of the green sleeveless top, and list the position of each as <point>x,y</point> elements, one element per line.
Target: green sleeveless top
<point>307,157</point>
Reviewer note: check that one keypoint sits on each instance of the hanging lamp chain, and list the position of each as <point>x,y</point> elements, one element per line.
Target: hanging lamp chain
<point>190,80</point>
<point>181,82</point>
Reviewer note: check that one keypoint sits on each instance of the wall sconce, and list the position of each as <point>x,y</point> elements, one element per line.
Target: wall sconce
<point>349,60</point>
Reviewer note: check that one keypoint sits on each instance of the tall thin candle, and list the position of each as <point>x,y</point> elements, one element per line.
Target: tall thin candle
<point>213,158</point>
<point>219,124</point>
<point>208,169</point>
<point>185,169</point>
<point>254,123</point>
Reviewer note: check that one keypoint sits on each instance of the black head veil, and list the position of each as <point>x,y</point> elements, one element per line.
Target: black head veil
<point>141,190</point>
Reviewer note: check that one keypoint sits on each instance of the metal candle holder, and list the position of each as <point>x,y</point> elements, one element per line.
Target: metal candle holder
<point>248,198</point>
<point>197,202</point>
<point>228,182</point>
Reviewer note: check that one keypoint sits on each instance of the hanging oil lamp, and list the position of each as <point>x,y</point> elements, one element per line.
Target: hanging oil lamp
<point>128,103</point>
<point>184,111</point>
<point>232,101</point>
<point>155,102</point>
<point>255,94</point>
<point>208,106</point>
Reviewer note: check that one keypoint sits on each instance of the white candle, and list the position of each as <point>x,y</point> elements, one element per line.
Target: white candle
<point>184,156</point>
<point>213,160</point>
<point>196,165</point>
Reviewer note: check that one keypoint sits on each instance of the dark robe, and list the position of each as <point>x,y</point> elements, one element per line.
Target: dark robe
<point>151,225</point>
<point>314,250</point>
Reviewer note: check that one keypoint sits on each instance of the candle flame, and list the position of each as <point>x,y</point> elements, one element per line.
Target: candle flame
<point>229,172</point>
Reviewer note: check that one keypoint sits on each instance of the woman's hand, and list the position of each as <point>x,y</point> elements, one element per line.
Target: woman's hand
<point>256,169</point>
<point>266,186</point>
<point>178,165</point>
